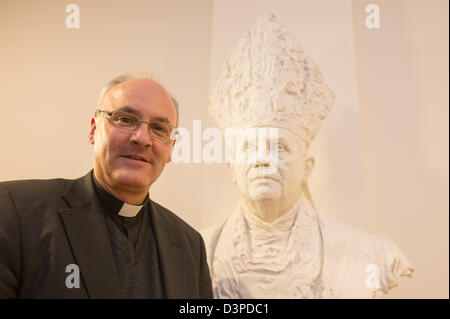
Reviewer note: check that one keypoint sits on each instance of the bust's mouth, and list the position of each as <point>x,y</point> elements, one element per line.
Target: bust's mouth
<point>264,177</point>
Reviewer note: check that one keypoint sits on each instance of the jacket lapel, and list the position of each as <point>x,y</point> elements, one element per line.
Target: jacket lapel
<point>171,255</point>
<point>87,232</point>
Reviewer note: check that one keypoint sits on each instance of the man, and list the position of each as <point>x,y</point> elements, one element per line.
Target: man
<point>274,245</point>
<point>101,236</point>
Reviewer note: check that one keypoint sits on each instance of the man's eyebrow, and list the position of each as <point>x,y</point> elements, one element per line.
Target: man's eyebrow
<point>161,119</point>
<point>129,109</point>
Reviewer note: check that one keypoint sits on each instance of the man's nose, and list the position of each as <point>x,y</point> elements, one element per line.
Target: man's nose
<point>141,135</point>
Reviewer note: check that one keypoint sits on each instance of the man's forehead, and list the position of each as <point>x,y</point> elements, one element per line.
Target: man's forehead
<point>139,93</point>
<point>116,93</point>
<point>138,88</point>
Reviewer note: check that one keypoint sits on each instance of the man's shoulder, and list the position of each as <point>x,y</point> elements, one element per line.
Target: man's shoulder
<point>173,219</point>
<point>30,188</point>
<point>33,199</point>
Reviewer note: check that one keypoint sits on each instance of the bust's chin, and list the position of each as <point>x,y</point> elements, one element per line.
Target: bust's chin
<point>265,193</point>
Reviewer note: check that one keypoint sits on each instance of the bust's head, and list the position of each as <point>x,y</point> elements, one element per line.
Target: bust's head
<point>269,82</point>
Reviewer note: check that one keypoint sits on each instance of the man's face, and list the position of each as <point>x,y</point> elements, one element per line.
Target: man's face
<point>275,180</point>
<point>116,149</point>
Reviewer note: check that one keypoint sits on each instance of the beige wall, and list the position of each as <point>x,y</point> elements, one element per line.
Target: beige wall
<point>51,78</point>
<point>402,72</point>
<point>381,156</point>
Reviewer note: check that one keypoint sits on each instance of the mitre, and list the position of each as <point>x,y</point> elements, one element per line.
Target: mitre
<point>269,82</point>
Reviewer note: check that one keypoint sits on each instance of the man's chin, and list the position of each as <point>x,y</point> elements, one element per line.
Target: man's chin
<point>131,178</point>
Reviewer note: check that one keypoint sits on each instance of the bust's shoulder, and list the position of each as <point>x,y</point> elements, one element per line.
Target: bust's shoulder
<point>340,237</point>
<point>352,255</point>
<point>212,233</point>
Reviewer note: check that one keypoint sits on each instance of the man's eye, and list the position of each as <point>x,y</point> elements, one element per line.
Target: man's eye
<point>126,120</point>
<point>159,128</point>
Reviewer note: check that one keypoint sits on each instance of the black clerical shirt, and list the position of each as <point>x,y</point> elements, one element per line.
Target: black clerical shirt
<point>136,258</point>
<point>129,226</point>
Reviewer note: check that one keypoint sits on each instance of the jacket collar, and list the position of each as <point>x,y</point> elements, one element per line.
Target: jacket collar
<point>172,258</point>
<point>87,231</point>
<point>113,204</point>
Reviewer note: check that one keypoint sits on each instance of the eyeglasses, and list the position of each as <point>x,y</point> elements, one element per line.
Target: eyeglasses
<point>163,132</point>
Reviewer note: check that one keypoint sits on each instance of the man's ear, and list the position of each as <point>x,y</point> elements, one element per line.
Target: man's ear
<point>92,128</point>
<point>309,166</point>
<point>172,145</point>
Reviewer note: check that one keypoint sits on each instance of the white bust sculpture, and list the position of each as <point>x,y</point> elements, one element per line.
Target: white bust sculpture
<point>274,245</point>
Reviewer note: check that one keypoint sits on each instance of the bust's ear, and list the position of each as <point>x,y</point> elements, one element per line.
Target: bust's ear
<point>230,167</point>
<point>309,166</point>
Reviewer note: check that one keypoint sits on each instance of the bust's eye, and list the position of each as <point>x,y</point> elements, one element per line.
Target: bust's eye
<point>282,147</point>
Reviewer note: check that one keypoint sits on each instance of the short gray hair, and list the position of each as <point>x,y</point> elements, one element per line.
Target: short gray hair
<point>132,76</point>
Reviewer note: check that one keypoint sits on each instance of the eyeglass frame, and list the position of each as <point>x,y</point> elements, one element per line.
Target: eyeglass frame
<point>173,130</point>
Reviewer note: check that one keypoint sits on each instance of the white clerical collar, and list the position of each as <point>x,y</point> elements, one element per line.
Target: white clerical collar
<point>129,210</point>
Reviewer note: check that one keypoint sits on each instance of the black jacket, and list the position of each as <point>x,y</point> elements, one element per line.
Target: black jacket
<point>46,225</point>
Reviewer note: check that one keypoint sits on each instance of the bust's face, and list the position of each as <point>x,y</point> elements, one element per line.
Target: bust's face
<point>269,179</point>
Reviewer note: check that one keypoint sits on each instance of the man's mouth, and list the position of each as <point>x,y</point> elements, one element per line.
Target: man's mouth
<point>137,158</point>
